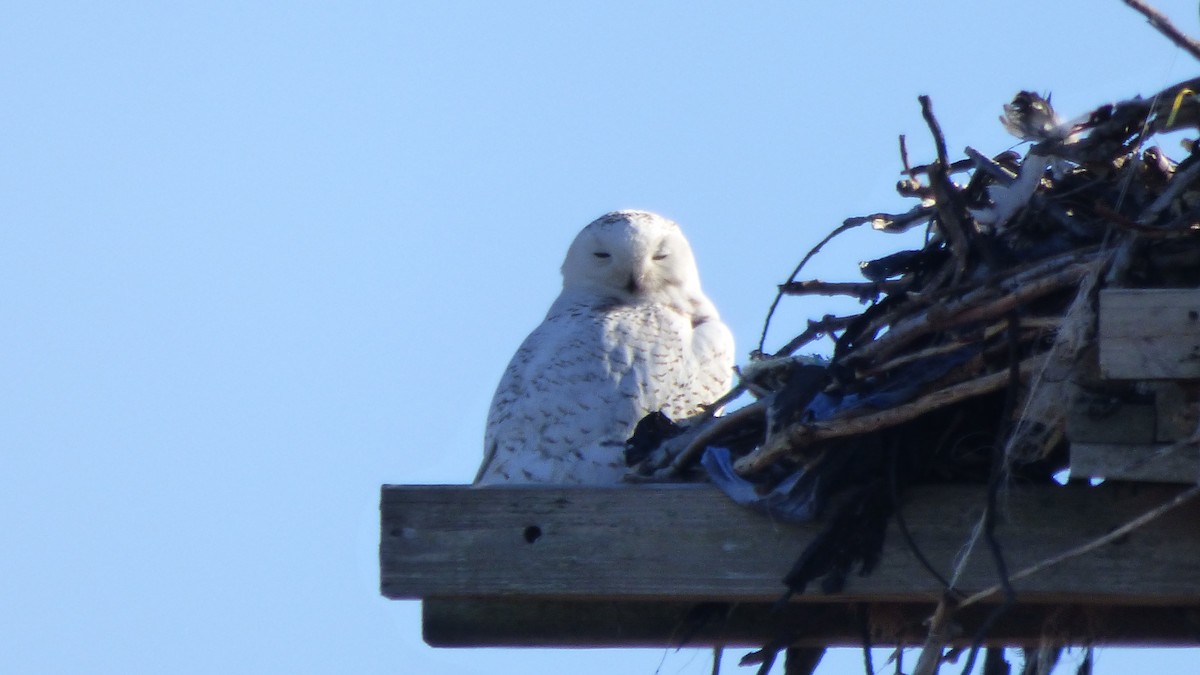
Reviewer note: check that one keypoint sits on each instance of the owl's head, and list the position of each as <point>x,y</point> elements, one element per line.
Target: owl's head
<point>631,257</point>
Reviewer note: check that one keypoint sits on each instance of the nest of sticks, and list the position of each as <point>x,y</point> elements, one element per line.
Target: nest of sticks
<point>967,349</point>
<point>998,302</point>
<point>958,366</point>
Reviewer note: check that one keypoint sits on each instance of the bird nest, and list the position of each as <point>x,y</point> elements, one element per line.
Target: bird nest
<point>999,303</point>
<point>968,349</point>
<point>959,364</point>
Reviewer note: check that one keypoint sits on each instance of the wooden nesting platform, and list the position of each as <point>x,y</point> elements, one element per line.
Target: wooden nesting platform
<point>629,566</point>
<point>645,565</point>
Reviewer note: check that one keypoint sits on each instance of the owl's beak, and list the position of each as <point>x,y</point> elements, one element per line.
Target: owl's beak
<point>632,286</point>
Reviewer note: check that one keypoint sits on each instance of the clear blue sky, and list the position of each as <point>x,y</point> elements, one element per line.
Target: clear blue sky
<point>259,258</point>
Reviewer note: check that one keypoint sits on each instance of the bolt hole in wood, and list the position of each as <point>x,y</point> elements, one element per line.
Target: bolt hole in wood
<point>532,533</point>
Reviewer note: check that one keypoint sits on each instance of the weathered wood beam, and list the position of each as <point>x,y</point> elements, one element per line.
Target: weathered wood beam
<point>1164,462</point>
<point>1148,334</point>
<point>690,543</point>
<point>491,622</point>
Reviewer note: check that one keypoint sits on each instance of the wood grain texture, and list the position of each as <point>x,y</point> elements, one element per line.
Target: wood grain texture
<point>690,543</point>
<point>1116,423</point>
<point>1162,463</point>
<point>1176,404</point>
<point>1148,334</point>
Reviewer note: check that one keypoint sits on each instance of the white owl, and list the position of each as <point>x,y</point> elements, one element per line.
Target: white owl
<point>631,333</point>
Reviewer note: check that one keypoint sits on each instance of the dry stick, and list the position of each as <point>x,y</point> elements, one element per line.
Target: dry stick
<point>1032,329</point>
<point>916,302</point>
<point>1164,26</point>
<point>1179,183</point>
<point>798,435</point>
<point>699,423</point>
<point>986,302</point>
<point>894,223</point>
<point>958,166</point>
<point>990,167</point>
<point>904,159</point>
<point>762,339</point>
<point>709,433</point>
<point>815,330</point>
<point>936,640</point>
<point>851,288</point>
<point>952,226</point>
<point>1178,500</point>
<point>938,350</point>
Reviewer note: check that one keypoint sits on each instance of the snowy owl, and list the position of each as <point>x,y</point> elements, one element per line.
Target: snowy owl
<point>630,334</point>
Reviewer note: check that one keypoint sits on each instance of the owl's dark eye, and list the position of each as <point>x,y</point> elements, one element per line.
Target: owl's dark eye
<point>661,256</point>
<point>601,254</point>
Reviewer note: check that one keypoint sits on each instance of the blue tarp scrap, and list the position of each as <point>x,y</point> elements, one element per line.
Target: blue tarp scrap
<point>798,498</point>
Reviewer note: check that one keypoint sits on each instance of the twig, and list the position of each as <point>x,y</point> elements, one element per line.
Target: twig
<point>950,217</point>
<point>958,166</point>
<point>937,350</point>
<point>799,435</point>
<point>904,159</point>
<point>864,627</point>
<point>867,289</point>
<point>762,339</point>
<point>1010,278</point>
<point>894,223</point>
<point>815,329</point>
<point>1180,182</point>
<point>1147,517</point>
<point>716,406</point>
<point>708,433</point>
<point>990,167</point>
<point>1164,26</point>
<point>940,634</point>
<point>986,302</point>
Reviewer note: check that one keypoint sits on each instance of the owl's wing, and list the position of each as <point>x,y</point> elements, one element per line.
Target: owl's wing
<point>564,405</point>
<point>713,349</point>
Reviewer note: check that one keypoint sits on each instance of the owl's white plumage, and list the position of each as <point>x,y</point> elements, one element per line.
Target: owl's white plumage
<point>630,334</point>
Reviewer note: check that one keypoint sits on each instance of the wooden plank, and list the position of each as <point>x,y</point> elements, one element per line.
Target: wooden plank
<point>1176,410</point>
<point>1163,463</point>
<point>558,623</point>
<point>1148,334</point>
<point>1089,422</point>
<point>690,543</point>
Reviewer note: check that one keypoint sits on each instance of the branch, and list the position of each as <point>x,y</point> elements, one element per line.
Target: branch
<point>816,329</point>
<point>762,339</point>
<point>893,223</point>
<point>986,302</point>
<point>1179,182</point>
<point>799,435</point>
<point>675,454</point>
<point>944,297</point>
<point>1164,26</point>
<point>860,290</point>
<point>949,215</point>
